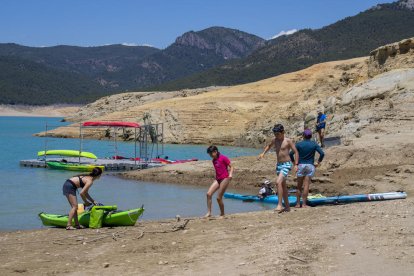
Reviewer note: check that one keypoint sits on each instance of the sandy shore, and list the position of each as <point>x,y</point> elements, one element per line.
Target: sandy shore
<point>37,111</point>
<point>367,238</point>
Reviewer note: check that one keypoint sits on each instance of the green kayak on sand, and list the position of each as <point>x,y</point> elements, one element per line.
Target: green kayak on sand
<point>111,218</point>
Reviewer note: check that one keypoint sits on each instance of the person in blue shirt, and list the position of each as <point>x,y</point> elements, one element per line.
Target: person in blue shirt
<point>320,126</point>
<point>306,165</point>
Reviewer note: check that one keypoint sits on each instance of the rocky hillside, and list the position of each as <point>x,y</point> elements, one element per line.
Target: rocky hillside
<point>227,43</point>
<point>125,101</point>
<point>351,37</point>
<point>232,115</point>
<point>383,58</point>
<point>98,71</point>
<point>245,114</point>
<point>191,53</point>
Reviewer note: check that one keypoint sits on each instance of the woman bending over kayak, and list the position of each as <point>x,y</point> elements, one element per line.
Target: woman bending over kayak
<point>70,187</point>
<point>222,165</point>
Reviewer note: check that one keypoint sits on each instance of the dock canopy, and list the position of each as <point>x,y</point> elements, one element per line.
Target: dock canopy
<point>110,124</point>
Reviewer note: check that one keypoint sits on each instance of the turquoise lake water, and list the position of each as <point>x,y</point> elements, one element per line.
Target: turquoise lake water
<point>25,192</point>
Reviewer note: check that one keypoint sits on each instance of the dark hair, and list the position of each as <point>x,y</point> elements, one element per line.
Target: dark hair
<point>94,173</point>
<point>211,149</point>
<point>278,128</point>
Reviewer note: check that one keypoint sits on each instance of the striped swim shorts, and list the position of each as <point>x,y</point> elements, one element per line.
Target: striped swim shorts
<point>284,168</point>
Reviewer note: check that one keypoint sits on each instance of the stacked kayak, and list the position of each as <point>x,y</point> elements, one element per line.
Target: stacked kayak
<point>68,153</point>
<point>111,218</point>
<point>273,199</point>
<point>72,166</point>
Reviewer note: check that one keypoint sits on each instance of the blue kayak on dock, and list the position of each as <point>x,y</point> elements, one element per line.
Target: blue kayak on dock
<point>322,200</point>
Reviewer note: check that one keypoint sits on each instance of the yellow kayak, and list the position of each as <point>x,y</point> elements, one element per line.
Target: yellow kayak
<point>68,153</point>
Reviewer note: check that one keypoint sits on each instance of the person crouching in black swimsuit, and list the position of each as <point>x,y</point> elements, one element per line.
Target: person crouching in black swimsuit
<point>70,187</point>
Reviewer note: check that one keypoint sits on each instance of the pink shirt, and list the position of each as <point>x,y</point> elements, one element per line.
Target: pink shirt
<point>221,166</point>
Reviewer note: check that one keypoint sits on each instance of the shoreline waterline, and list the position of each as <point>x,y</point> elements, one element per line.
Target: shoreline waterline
<point>41,189</point>
<point>186,201</point>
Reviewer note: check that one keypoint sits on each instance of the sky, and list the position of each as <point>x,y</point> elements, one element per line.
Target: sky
<point>158,22</point>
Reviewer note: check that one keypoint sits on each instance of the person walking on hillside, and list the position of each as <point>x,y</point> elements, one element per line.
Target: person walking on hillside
<point>306,165</point>
<point>224,174</point>
<point>320,126</point>
<point>70,187</point>
<point>282,146</point>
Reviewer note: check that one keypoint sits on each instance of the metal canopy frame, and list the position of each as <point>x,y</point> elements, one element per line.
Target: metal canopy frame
<point>143,134</point>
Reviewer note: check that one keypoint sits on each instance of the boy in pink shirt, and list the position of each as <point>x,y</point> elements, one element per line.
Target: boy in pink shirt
<point>222,165</point>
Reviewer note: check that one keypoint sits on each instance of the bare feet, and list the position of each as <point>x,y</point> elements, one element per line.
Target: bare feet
<point>277,211</point>
<point>297,206</point>
<point>208,215</point>
<point>305,206</point>
<point>222,217</point>
<point>282,210</point>
<point>279,208</point>
<point>69,227</point>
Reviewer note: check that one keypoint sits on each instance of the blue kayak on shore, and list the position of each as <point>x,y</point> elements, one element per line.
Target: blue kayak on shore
<point>322,200</point>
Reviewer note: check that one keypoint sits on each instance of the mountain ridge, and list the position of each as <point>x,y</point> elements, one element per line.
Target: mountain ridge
<point>118,68</point>
<point>350,37</point>
<point>216,56</point>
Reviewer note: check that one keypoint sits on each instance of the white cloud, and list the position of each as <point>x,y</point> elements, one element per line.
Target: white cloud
<point>284,33</point>
<point>136,44</point>
<point>129,44</point>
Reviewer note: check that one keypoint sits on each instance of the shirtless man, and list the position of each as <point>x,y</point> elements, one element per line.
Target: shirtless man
<point>282,146</point>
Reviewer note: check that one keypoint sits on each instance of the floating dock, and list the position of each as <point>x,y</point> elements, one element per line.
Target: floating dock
<point>109,164</point>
